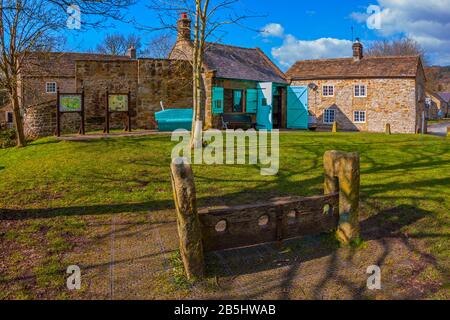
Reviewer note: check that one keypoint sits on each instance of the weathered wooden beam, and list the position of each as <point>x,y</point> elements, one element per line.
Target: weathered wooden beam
<point>268,221</point>
<point>342,171</point>
<point>189,229</point>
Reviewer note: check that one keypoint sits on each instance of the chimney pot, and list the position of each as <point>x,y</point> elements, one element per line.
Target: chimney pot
<point>184,28</point>
<point>358,50</point>
<point>131,52</point>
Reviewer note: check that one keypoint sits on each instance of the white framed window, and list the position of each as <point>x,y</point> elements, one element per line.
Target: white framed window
<point>50,87</point>
<point>359,116</point>
<point>328,90</point>
<point>9,117</point>
<point>360,91</point>
<point>329,116</point>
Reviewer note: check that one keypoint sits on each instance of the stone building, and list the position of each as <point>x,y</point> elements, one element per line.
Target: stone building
<point>364,93</point>
<point>236,80</point>
<point>149,82</point>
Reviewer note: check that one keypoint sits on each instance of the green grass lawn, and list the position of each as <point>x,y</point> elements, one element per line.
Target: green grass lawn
<point>53,185</point>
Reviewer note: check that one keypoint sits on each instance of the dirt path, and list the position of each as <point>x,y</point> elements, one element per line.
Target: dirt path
<point>130,258</point>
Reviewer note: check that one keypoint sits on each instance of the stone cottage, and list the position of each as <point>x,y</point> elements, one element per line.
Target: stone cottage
<point>364,93</point>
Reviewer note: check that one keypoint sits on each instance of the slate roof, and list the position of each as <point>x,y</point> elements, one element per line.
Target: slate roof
<point>61,64</point>
<point>367,67</point>
<point>444,96</point>
<point>232,62</point>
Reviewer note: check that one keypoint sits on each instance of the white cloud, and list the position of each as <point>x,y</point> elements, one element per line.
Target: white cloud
<point>426,21</point>
<point>294,49</point>
<point>273,30</point>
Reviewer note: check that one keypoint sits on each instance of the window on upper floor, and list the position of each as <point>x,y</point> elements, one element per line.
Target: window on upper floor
<point>360,91</point>
<point>328,90</point>
<point>50,87</point>
<point>9,117</point>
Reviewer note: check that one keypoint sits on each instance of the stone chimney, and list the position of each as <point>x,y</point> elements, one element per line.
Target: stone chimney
<point>184,28</point>
<point>131,52</point>
<point>357,51</point>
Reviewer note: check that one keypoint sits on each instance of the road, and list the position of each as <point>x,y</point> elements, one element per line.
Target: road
<point>438,129</point>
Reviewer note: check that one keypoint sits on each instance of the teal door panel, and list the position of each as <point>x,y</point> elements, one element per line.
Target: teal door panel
<point>264,119</point>
<point>217,100</point>
<point>297,108</point>
<point>251,101</point>
<point>237,101</point>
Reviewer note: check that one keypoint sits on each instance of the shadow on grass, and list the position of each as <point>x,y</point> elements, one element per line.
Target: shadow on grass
<point>285,260</point>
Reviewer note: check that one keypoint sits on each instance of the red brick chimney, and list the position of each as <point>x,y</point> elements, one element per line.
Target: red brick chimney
<point>184,27</point>
<point>357,50</point>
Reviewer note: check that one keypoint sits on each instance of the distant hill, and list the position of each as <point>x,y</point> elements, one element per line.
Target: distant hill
<point>438,78</point>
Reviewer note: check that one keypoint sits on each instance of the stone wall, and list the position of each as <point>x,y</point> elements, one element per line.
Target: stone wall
<point>168,81</point>
<point>98,77</point>
<point>391,101</point>
<point>149,82</point>
<point>39,107</point>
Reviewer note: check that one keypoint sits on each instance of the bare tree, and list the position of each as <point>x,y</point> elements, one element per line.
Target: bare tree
<point>209,17</point>
<point>30,26</point>
<point>401,47</point>
<point>159,47</point>
<point>118,44</point>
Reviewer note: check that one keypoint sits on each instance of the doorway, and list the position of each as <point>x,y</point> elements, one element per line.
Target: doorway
<point>277,113</point>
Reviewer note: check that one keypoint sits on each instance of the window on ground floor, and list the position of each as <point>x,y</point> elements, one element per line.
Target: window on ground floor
<point>329,116</point>
<point>50,87</point>
<point>359,116</point>
<point>328,90</point>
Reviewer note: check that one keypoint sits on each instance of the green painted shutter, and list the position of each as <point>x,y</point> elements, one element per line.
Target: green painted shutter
<point>252,101</point>
<point>217,100</point>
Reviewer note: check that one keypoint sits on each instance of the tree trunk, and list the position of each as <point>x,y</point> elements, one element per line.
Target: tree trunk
<point>189,228</point>
<point>18,123</point>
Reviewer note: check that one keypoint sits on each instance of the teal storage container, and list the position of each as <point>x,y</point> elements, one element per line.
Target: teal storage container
<point>174,119</point>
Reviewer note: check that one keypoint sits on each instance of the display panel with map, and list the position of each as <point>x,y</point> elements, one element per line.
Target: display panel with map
<point>70,103</point>
<point>118,103</point>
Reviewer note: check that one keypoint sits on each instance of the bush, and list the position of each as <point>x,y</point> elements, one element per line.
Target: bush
<point>7,138</point>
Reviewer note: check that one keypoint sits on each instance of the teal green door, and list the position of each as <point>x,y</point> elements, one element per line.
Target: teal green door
<point>217,100</point>
<point>264,119</point>
<point>251,101</point>
<point>297,108</point>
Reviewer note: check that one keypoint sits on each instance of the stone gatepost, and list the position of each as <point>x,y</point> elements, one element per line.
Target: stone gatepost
<point>342,174</point>
<point>189,229</point>
<point>335,127</point>
<point>387,128</point>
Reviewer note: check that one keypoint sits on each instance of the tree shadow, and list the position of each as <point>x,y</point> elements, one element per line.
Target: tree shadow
<point>287,258</point>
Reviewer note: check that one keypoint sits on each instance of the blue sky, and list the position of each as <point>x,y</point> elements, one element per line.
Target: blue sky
<point>312,29</point>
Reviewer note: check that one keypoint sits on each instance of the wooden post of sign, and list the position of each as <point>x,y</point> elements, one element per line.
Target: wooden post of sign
<point>107,112</point>
<point>342,172</point>
<point>58,115</point>
<point>83,127</point>
<point>189,228</point>
<point>129,111</point>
